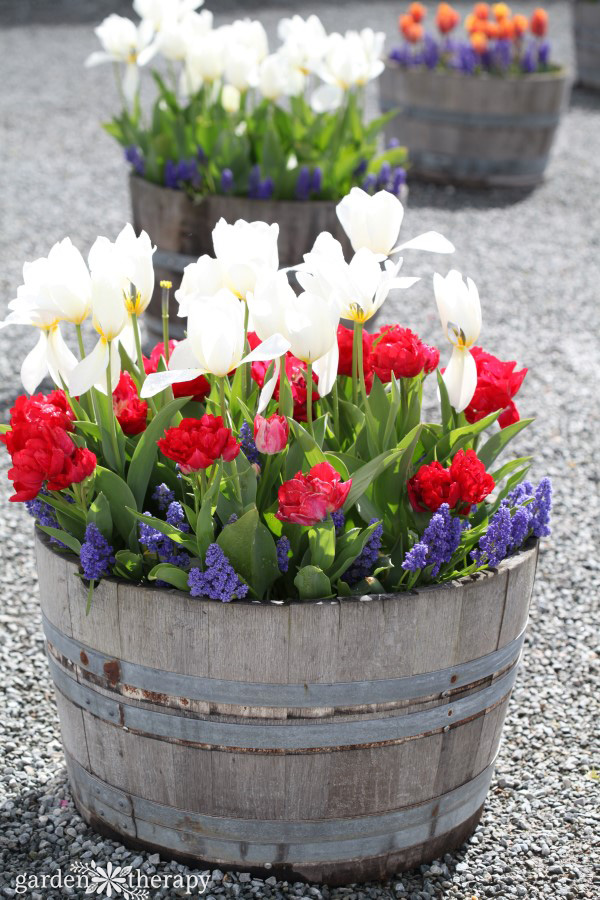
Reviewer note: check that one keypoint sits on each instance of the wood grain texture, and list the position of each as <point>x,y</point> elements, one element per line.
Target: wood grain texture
<point>321,644</point>
<point>474,130</point>
<point>587,43</point>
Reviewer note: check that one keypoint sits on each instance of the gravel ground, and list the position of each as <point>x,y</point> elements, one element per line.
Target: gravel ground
<point>534,258</point>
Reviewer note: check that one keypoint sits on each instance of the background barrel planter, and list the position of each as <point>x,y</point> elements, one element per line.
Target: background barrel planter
<point>474,130</point>
<point>587,42</point>
<point>182,231</point>
<point>335,741</point>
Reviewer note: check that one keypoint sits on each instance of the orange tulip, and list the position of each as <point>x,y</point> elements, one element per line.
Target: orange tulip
<point>479,42</point>
<point>472,23</point>
<point>501,11</point>
<point>405,22</point>
<point>447,18</point>
<point>491,30</point>
<point>520,25</point>
<point>539,22</point>
<point>481,11</point>
<point>417,12</point>
<point>506,29</point>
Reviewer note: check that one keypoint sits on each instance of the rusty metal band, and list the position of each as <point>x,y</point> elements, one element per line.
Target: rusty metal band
<point>240,693</point>
<point>214,732</point>
<point>474,120</point>
<point>257,842</point>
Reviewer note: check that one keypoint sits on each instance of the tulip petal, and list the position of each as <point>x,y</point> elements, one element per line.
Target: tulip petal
<point>326,369</point>
<point>35,365</point>
<point>96,58</point>
<point>183,356</point>
<point>326,98</point>
<point>272,348</point>
<point>61,361</point>
<point>269,388</point>
<point>431,241</point>
<point>90,371</point>
<point>158,381</point>
<point>460,378</point>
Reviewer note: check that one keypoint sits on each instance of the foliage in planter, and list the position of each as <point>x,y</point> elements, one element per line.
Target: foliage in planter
<point>273,453</point>
<point>230,118</point>
<point>497,42</point>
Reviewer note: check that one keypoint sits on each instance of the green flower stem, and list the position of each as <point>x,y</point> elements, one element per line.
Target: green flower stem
<point>336,410</point>
<point>358,343</point>
<point>222,402</point>
<point>138,348</point>
<point>80,342</point>
<point>112,427</point>
<point>247,366</point>
<point>309,400</point>
<point>355,365</point>
<point>166,287</point>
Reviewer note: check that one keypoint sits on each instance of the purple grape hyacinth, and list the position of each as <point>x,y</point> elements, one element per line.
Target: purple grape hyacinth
<point>246,438</point>
<point>495,543</point>
<point>283,548</point>
<point>219,580</point>
<point>155,541</point>
<point>438,544</point>
<point>96,554</point>
<point>366,561</point>
<point>163,496</point>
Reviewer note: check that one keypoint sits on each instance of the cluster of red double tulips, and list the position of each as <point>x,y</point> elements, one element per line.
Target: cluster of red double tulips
<point>42,450</point>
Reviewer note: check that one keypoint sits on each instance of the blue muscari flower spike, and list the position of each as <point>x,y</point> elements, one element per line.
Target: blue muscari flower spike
<point>360,169</point>
<point>370,183</point>
<point>438,544</point>
<point>265,191</point>
<point>283,548</point>
<point>201,155</point>
<point>496,542</point>
<point>399,180</point>
<point>226,180</point>
<point>339,520</point>
<point>384,175</point>
<point>246,438</point>
<point>541,508</point>
<point>96,554</point>
<point>317,180</point>
<point>133,156</point>
<point>163,496</point>
<point>366,561</point>
<point>157,542</point>
<point>303,183</point>
<point>171,175</point>
<point>393,143</point>
<point>219,580</point>
<point>46,516</point>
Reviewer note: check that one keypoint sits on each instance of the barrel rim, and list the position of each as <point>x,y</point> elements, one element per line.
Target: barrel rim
<point>562,73</point>
<point>515,559</point>
<point>253,203</point>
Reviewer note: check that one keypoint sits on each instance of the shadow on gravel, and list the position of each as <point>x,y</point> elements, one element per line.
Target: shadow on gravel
<point>586,99</point>
<point>453,197</point>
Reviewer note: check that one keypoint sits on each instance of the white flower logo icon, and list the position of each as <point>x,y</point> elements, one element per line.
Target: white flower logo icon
<point>109,881</point>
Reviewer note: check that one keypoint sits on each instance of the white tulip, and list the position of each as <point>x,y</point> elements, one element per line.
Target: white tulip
<point>130,259</point>
<point>202,278</point>
<point>349,61</point>
<point>249,34</point>
<point>124,42</point>
<point>230,99</point>
<point>277,78</point>
<point>269,303</point>
<point>214,344</point>
<point>244,250</point>
<point>110,318</point>
<point>205,61</point>
<point>359,288</point>
<point>59,285</point>
<point>50,356</point>
<point>460,314</point>
<point>304,42</point>
<point>160,12</point>
<point>241,68</point>
<point>374,221</point>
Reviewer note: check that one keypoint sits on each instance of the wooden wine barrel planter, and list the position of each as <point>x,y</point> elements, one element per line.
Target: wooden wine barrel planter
<point>335,741</point>
<point>181,229</point>
<point>587,43</point>
<point>474,130</point>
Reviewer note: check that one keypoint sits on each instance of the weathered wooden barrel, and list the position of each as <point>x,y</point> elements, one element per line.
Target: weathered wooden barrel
<point>587,43</point>
<point>474,130</point>
<point>334,741</point>
<point>181,229</point>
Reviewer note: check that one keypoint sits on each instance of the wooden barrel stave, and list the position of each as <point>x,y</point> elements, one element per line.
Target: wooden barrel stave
<point>587,43</point>
<point>202,783</point>
<point>477,130</point>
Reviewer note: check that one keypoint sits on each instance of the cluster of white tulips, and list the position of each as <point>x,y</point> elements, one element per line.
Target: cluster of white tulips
<point>241,288</point>
<point>236,56</point>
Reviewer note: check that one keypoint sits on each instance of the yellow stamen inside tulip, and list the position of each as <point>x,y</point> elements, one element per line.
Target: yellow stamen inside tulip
<point>357,313</point>
<point>166,284</point>
<point>133,303</point>
<point>132,56</point>
<point>457,337</point>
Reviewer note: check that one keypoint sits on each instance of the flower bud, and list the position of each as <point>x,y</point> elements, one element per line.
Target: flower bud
<point>271,435</point>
